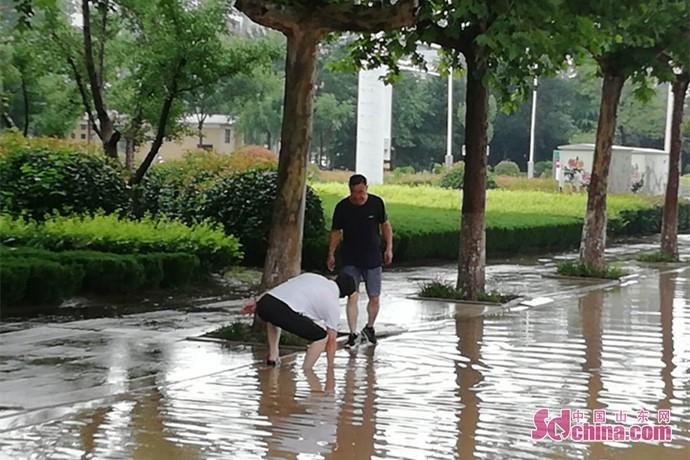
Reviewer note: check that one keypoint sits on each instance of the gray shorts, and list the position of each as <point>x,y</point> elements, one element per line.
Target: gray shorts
<point>370,276</point>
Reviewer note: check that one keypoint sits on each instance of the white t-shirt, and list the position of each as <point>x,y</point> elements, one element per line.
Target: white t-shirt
<point>312,295</point>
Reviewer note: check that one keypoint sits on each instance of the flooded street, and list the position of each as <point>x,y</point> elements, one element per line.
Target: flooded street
<point>452,385</point>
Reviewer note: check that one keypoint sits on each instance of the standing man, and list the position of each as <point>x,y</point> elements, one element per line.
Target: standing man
<point>360,219</point>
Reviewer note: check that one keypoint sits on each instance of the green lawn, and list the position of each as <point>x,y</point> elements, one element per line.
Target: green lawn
<point>426,207</point>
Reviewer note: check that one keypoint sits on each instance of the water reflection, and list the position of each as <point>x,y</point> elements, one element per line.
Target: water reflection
<point>666,296</point>
<point>356,423</point>
<point>466,390</point>
<point>469,332</point>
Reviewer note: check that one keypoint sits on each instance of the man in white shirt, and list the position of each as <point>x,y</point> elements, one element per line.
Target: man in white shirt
<point>296,306</point>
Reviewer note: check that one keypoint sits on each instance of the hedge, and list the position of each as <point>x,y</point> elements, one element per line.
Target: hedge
<point>38,277</point>
<point>429,229</point>
<point>123,236</point>
<point>40,177</point>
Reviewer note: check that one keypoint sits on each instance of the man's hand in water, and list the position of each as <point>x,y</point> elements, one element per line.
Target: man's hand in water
<point>249,308</point>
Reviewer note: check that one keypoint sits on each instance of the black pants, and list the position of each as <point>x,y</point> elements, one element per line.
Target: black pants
<point>278,313</point>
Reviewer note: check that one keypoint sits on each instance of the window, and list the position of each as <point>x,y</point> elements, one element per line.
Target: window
<point>72,136</point>
<point>228,136</point>
<point>83,136</point>
<point>83,127</point>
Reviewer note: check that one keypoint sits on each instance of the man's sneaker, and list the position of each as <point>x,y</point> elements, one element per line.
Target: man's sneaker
<point>351,340</point>
<point>370,335</point>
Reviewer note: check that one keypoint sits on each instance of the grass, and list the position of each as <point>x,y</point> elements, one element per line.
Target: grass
<point>522,183</point>
<point>655,257</point>
<point>241,331</point>
<point>428,207</point>
<point>441,290</point>
<point>685,180</point>
<point>581,270</point>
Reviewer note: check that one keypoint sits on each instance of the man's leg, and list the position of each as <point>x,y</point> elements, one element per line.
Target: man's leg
<point>352,303</point>
<point>372,310</point>
<point>313,352</point>
<point>372,278</point>
<point>273,334</point>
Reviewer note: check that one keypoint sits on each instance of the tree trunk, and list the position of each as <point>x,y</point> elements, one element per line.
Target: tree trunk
<point>321,150</point>
<point>130,147</point>
<point>109,135</point>
<point>269,144</point>
<point>25,95</point>
<point>669,223</point>
<point>162,125</point>
<point>593,240</point>
<point>472,257</point>
<point>284,255</point>
<point>623,136</point>
<point>158,141</point>
<point>200,126</point>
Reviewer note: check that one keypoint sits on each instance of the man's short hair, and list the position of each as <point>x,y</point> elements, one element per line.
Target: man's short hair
<point>346,284</point>
<point>357,179</point>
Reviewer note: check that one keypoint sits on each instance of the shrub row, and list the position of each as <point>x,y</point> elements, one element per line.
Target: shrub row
<point>524,233</point>
<point>39,277</point>
<point>122,236</point>
<point>48,176</point>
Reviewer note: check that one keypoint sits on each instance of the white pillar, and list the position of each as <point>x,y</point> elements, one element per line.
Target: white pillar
<point>374,101</point>
<point>669,117</point>
<point>449,141</point>
<point>530,163</point>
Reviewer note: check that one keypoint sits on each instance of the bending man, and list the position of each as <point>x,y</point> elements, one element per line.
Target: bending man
<point>297,306</point>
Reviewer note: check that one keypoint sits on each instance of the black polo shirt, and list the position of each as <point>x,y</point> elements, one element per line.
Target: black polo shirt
<point>361,236</point>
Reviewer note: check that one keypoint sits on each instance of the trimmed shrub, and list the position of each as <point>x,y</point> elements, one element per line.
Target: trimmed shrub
<point>40,177</point>
<point>455,177</point>
<point>105,273</point>
<point>179,269</point>
<point>252,157</point>
<point>111,234</point>
<point>438,168</point>
<point>176,189</point>
<point>507,168</point>
<point>36,276</point>
<point>243,204</point>
<point>543,169</point>
<point>37,281</point>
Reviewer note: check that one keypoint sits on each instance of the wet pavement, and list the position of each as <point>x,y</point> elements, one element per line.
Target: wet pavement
<point>461,381</point>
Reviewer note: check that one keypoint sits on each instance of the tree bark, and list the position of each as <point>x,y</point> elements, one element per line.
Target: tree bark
<point>669,223</point>
<point>108,134</point>
<point>162,124</point>
<point>25,96</point>
<point>472,257</point>
<point>284,255</point>
<point>593,240</point>
<point>157,142</point>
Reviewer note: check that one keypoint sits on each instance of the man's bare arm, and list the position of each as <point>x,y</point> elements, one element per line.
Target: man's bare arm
<point>387,231</point>
<point>333,241</point>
